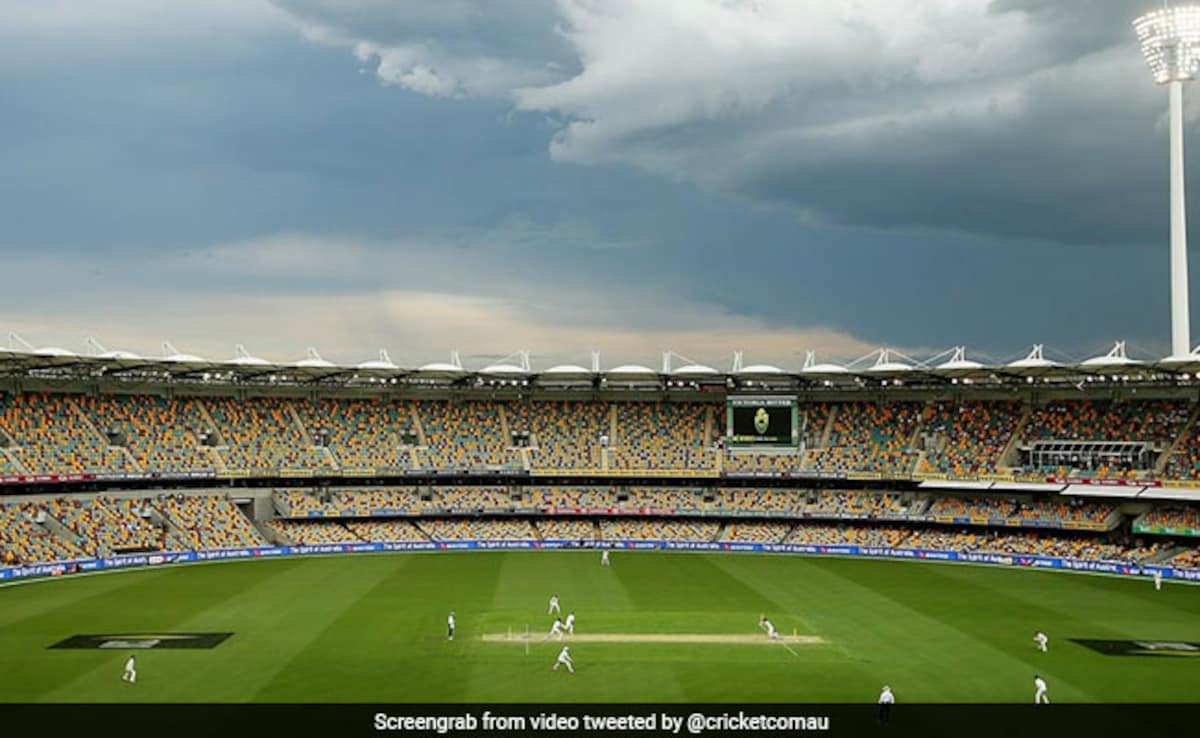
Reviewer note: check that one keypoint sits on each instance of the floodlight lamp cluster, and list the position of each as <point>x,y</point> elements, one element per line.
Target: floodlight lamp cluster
<point>1170,41</point>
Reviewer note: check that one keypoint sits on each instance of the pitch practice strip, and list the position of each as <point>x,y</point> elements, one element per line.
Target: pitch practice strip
<point>1141,648</point>
<point>728,639</point>
<point>142,641</point>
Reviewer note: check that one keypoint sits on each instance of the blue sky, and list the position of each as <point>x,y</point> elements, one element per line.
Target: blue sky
<point>704,176</point>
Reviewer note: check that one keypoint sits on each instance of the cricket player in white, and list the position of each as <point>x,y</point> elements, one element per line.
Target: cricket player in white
<point>130,674</point>
<point>554,608</point>
<point>564,659</point>
<point>1040,638</point>
<point>604,558</point>
<point>768,626</point>
<point>556,630</point>
<point>886,700</point>
<point>570,624</point>
<point>1040,698</point>
<point>1157,580</point>
<point>450,627</point>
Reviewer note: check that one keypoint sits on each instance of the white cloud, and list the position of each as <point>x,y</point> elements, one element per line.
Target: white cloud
<point>449,48</point>
<point>832,75</point>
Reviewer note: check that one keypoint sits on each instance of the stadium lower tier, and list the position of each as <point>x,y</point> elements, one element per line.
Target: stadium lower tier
<point>212,524</point>
<point>64,529</point>
<point>1085,547</point>
<point>991,509</point>
<point>48,529</point>
<point>38,530</point>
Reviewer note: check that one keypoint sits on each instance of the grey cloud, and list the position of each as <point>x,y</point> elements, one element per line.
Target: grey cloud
<point>1013,118</point>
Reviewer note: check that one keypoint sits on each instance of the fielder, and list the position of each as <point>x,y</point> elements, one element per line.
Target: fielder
<point>768,626</point>
<point>604,558</point>
<point>450,627</point>
<point>554,608</point>
<point>886,700</point>
<point>1040,697</point>
<point>556,631</point>
<point>564,659</point>
<point>1157,580</point>
<point>130,674</point>
<point>569,626</point>
<point>1040,638</point>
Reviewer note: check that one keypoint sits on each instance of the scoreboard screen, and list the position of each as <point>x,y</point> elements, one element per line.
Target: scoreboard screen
<point>762,421</point>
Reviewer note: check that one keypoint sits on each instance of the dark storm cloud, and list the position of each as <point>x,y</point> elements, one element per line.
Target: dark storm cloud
<point>171,185</point>
<point>1023,119</point>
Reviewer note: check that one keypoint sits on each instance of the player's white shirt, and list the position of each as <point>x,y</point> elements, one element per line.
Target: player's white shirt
<point>570,621</point>
<point>129,664</point>
<point>450,621</point>
<point>886,697</point>
<point>564,656</point>
<point>556,629</point>
<point>1040,684</point>
<point>1041,639</point>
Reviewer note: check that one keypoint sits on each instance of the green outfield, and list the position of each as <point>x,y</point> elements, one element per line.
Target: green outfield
<point>372,628</point>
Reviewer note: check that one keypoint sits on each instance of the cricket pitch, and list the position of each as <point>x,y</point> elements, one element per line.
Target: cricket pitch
<point>730,639</point>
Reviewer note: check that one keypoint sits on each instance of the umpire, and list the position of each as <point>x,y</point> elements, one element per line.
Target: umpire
<point>886,700</point>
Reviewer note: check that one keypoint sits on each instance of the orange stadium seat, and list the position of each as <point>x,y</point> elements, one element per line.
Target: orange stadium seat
<point>970,436</point>
<point>568,529</point>
<point>465,435</point>
<point>476,529</point>
<point>107,525</point>
<point>755,531</point>
<point>311,532</point>
<point>261,434</point>
<point>566,435</point>
<point>363,434</point>
<point>52,436</point>
<point>207,522</point>
<point>662,436</point>
<point>641,529</point>
<point>24,541</point>
<point>159,433</point>
<point>386,531</point>
<point>869,437</point>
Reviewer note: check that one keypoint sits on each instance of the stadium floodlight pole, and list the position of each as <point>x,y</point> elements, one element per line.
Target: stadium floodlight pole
<point>1170,41</point>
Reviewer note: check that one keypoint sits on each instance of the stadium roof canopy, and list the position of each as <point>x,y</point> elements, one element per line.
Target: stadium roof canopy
<point>881,368</point>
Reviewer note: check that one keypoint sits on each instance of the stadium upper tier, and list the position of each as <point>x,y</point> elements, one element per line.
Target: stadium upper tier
<point>110,435</point>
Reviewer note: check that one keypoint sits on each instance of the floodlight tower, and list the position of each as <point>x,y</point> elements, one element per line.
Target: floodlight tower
<point>1170,40</point>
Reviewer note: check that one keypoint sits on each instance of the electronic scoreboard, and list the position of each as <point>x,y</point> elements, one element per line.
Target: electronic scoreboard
<point>762,421</point>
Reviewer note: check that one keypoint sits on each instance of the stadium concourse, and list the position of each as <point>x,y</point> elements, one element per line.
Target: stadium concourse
<point>87,475</point>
